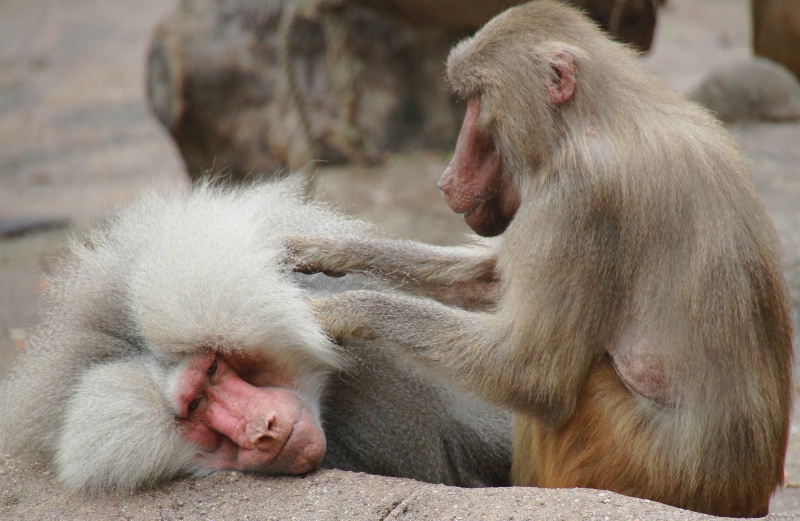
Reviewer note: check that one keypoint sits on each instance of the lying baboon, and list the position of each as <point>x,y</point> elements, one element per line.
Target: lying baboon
<point>176,340</point>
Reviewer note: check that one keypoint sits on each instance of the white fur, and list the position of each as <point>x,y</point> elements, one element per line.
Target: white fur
<point>170,276</point>
<point>119,432</point>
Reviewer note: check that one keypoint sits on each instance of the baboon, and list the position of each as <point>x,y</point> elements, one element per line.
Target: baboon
<point>640,330</point>
<point>177,340</point>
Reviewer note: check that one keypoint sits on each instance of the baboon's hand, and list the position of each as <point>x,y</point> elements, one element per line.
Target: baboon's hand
<point>310,254</point>
<point>340,318</point>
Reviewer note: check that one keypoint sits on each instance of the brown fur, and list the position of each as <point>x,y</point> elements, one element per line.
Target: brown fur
<point>640,326</point>
<point>607,444</point>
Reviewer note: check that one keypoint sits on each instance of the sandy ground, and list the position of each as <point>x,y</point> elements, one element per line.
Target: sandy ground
<point>76,139</point>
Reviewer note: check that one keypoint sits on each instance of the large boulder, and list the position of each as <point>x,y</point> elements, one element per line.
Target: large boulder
<point>756,89</point>
<point>251,86</point>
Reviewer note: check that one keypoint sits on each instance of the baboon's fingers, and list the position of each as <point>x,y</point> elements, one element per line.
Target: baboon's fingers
<point>336,319</point>
<point>304,255</point>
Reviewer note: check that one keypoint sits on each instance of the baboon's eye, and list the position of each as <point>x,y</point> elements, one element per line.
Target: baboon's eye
<point>212,369</point>
<point>193,405</point>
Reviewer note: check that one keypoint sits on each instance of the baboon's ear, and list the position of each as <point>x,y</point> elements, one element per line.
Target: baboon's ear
<point>561,84</point>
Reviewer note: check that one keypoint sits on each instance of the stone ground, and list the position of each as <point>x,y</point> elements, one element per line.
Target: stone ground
<point>77,139</point>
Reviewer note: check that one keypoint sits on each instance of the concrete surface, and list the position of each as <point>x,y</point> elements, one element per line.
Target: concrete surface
<point>76,139</point>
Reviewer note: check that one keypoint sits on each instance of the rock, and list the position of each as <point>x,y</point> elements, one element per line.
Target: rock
<point>251,86</point>
<point>633,22</point>
<point>756,89</point>
<point>776,31</point>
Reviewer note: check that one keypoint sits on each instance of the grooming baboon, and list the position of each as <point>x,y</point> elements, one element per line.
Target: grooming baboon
<point>177,340</point>
<point>641,331</point>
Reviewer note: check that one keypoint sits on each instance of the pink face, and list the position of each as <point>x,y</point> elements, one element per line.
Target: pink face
<point>473,182</point>
<point>256,425</point>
